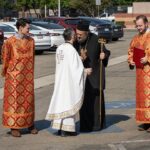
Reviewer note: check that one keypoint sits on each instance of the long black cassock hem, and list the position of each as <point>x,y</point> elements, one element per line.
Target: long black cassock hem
<point>92,113</point>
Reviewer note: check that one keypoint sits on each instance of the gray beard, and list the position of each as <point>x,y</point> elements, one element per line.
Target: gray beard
<point>81,41</point>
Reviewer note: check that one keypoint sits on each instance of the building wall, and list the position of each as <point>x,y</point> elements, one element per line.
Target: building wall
<point>141,8</point>
<point>138,9</point>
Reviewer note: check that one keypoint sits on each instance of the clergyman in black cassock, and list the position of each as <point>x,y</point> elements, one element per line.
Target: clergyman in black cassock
<point>92,113</point>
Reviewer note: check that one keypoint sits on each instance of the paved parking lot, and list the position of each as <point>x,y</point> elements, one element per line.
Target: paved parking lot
<point>121,130</point>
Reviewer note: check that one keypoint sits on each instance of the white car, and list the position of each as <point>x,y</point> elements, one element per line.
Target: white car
<point>8,30</point>
<point>107,16</point>
<point>41,38</point>
<point>55,31</point>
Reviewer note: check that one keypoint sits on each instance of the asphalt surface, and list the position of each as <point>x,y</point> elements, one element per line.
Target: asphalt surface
<point>121,129</point>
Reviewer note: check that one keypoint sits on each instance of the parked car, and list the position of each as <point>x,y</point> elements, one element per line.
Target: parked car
<point>1,42</point>
<point>42,38</point>
<point>117,30</point>
<point>13,19</point>
<point>99,27</point>
<point>7,30</point>
<point>107,16</point>
<point>63,21</point>
<point>55,31</point>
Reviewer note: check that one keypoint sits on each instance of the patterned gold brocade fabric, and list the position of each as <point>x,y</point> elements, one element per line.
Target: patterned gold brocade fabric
<point>142,78</point>
<point>18,70</point>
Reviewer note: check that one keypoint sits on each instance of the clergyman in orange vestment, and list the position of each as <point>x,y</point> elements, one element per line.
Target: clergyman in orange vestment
<point>18,70</point>
<point>142,41</point>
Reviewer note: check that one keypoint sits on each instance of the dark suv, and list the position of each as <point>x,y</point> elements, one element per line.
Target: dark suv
<point>117,30</point>
<point>102,28</point>
<point>1,41</point>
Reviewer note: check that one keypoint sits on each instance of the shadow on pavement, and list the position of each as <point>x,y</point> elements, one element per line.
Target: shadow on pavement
<point>111,121</point>
<point>42,124</point>
<point>114,119</point>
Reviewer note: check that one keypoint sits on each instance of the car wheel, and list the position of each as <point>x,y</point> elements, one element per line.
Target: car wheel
<point>115,39</point>
<point>39,52</point>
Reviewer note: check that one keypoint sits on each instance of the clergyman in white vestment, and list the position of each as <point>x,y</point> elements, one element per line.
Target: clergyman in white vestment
<point>68,91</point>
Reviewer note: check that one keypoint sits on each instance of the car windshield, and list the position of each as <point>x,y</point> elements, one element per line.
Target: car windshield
<point>49,25</point>
<point>6,28</point>
<point>72,21</point>
<point>96,21</point>
<point>34,27</point>
<point>51,20</point>
<point>93,21</point>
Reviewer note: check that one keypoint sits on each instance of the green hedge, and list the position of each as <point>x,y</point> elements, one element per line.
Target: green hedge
<point>122,23</point>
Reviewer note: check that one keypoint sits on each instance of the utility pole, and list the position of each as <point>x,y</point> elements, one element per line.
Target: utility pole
<point>59,8</point>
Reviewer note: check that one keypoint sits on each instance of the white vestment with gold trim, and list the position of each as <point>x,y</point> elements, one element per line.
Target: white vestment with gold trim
<point>68,92</point>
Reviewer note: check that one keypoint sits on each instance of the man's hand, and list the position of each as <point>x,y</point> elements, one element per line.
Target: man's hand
<point>132,63</point>
<point>144,60</point>
<point>88,71</point>
<point>102,56</point>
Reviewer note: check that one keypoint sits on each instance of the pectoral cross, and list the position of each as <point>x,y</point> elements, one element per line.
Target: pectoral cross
<point>83,53</point>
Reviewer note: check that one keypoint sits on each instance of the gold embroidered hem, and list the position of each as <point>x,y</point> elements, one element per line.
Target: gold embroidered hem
<point>66,114</point>
<point>59,126</point>
<point>22,127</point>
<point>18,121</point>
<point>68,128</point>
<point>140,122</point>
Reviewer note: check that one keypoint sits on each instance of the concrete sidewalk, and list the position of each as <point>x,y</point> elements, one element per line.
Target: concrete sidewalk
<point>120,132</point>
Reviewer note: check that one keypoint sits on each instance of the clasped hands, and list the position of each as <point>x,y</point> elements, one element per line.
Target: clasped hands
<point>143,60</point>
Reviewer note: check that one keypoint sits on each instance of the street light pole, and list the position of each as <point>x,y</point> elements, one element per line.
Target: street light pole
<point>58,8</point>
<point>45,11</point>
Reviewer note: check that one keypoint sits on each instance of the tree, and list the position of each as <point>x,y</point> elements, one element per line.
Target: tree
<point>86,6</point>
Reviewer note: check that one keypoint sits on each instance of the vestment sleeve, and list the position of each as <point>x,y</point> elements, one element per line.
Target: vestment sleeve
<point>130,51</point>
<point>147,47</point>
<point>5,57</point>
<point>107,54</point>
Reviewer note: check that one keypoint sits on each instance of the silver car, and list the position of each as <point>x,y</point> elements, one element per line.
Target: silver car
<point>55,31</point>
<point>7,30</point>
<point>41,38</point>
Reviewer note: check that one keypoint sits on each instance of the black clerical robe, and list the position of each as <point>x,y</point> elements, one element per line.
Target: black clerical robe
<point>92,113</point>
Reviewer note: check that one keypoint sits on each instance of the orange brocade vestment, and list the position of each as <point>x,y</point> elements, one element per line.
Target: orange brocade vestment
<point>142,78</point>
<point>18,69</point>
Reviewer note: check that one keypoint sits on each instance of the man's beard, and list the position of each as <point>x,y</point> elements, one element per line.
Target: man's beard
<point>81,40</point>
<point>143,31</point>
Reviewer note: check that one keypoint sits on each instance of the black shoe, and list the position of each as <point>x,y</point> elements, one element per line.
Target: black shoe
<point>73,133</point>
<point>143,127</point>
<point>59,132</point>
<point>66,133</point>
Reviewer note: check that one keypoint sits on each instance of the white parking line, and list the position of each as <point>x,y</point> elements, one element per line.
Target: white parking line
<point>117,60</point>
<point>47,80</point>
<point>117,147</point>
<point>112,146</point>
<point>135,141</point>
